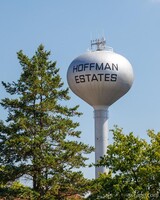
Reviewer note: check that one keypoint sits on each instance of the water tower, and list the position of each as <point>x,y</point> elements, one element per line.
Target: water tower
<point>100,77</point>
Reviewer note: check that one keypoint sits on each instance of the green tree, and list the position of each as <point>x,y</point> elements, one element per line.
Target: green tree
<point>39,137</point>
<point>134,169</point>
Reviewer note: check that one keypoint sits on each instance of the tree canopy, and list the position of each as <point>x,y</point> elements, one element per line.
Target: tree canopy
<point>134,168</point>
<point>39,139</point>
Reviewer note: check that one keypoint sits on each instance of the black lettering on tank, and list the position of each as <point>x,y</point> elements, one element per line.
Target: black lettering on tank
<point>94,78</point>
<point>82,79</point>
<point>77,79</point>
<point>113,77</point>
<point>86,65</point>
<point>107,66</point>
<point>107,77</point>
<point>114,66</point>
<point>80,67</point>
<point>75,69</point>
<point>99,67</point>
<point>92,65</point>
<point>88,77</point>
<point>100,76</point>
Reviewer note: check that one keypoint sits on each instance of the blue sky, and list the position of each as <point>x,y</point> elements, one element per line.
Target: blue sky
<point>131,27</point>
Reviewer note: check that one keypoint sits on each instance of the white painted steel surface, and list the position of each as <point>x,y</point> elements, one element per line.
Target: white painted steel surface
<point>99,85</point>
<point>101,136</point>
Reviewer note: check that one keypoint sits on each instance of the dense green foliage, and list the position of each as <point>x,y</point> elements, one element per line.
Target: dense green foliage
<point>38,140</point>
<point>134,169</point>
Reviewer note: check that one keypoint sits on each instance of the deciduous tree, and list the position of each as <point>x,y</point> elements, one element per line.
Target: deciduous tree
<point>134,168</point>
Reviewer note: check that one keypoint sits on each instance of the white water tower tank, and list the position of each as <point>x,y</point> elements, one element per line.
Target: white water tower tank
<point>100,77</point>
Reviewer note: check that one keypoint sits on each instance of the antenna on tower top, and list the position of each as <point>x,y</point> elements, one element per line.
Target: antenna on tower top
<point>99,43</point>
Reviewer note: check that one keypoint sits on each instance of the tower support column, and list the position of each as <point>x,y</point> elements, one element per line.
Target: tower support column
<point>101,136</point>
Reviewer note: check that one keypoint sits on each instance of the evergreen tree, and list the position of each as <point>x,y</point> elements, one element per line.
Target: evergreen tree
<point>38,139</point>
